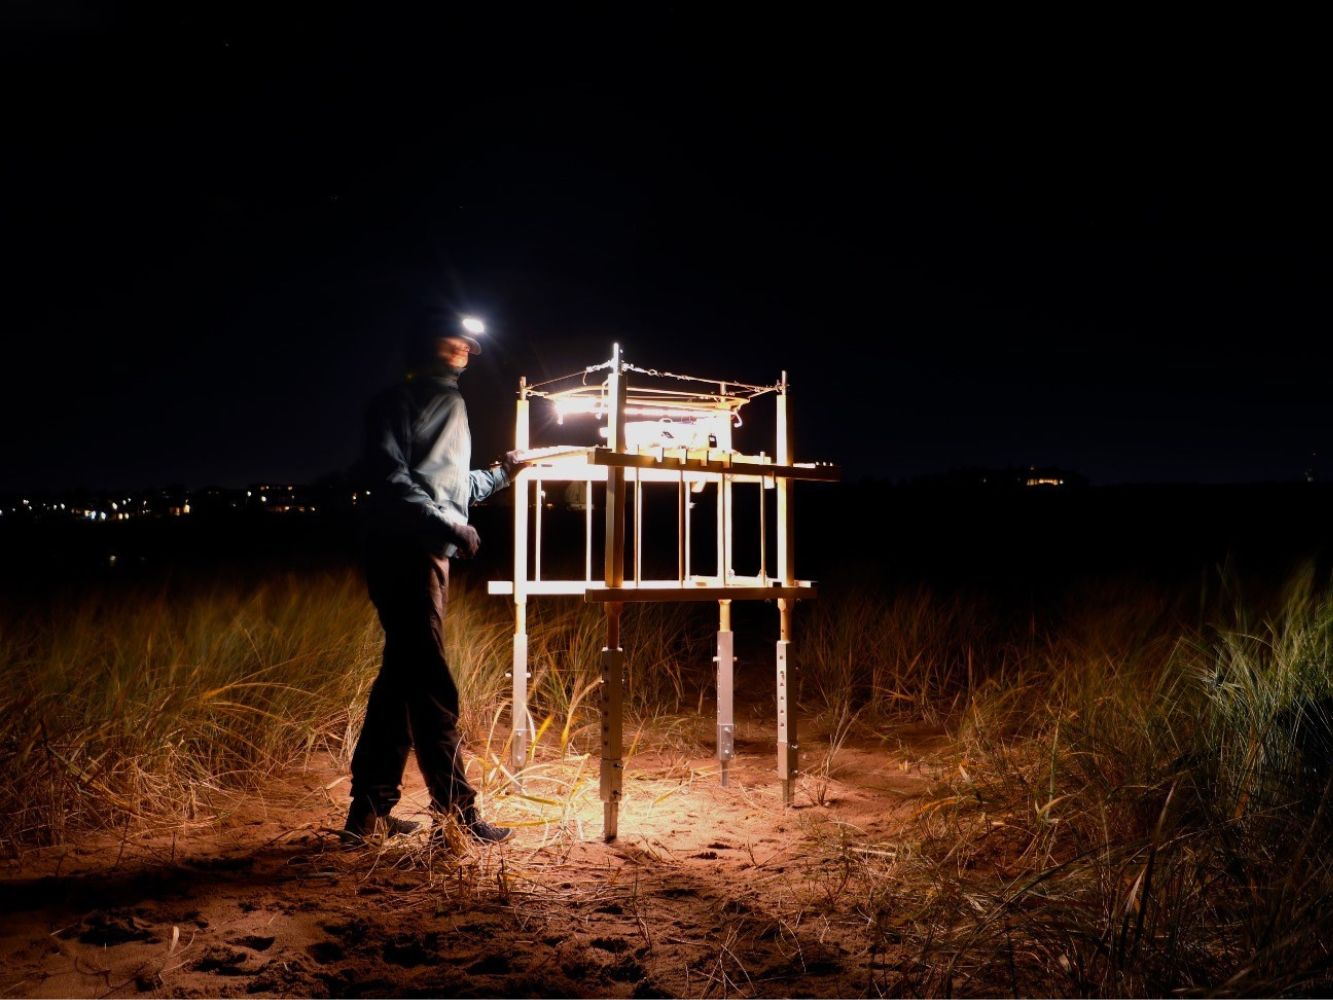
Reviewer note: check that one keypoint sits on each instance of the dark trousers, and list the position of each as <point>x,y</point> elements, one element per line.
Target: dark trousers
<point>414,701</point>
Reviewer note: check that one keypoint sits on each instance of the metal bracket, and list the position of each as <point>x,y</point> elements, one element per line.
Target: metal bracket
<point>726,742</point>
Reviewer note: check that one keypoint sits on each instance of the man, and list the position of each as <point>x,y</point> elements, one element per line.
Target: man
<point>418,448</point>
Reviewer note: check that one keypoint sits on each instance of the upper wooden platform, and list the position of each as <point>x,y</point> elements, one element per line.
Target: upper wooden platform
<point>668,463</point>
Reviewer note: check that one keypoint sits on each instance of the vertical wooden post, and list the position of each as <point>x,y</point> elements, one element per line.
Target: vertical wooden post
<point>539,496</point>
<point>682,498</point>
<point>689,530</point>
<point>788,751</point>
<point>520,729</point>
<point>638,527</point>
<point>763,529</point>
<point>725,509</point>
<point>613,656</point>
<point>785,485</point>
<point>726,719</point>
<point>587,531</point>
<point>614,561</point>
<point>721,530</point>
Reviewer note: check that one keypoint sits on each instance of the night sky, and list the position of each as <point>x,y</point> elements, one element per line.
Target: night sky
<point>1100,246</point>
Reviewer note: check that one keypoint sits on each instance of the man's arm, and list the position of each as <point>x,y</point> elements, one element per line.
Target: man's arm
<point>484,482</point>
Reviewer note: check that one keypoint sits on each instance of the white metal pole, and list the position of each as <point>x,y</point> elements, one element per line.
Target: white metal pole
<point>520,727</point>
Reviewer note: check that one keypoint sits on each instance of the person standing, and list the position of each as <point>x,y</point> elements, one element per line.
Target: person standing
<point>416,463</point>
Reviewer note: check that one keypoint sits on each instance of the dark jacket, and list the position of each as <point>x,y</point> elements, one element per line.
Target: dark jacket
<point>418,449</point>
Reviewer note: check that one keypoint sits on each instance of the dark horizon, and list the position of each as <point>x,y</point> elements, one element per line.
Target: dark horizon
<point>966,250</point>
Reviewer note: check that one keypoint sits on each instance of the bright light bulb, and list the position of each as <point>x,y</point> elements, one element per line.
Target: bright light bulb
<point>473,325</point>
<point>571,405</point>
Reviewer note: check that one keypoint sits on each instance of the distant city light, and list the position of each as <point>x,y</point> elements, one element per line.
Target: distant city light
<point>178,503</point>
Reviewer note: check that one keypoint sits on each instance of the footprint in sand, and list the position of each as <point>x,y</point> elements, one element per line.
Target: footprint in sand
<point>490,965</point>
<point>409,951</point>
<point>223,962</point>
<point>107,929</point>
<point>325,952</point>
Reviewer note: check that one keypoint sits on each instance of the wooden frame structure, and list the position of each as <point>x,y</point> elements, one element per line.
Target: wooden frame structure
<point>685,442</point>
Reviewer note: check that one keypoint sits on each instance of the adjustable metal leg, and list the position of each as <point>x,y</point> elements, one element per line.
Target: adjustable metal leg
<point>613,768</point>
<point>520,729</point>
<point>726,720</point>
<point>787,748</point>
<point>788,752</point>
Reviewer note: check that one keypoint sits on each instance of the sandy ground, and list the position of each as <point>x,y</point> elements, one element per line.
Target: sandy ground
<point>709,891</point>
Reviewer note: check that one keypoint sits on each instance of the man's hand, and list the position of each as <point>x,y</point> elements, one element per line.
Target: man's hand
<point>511,463</point>
<point>467,540</point>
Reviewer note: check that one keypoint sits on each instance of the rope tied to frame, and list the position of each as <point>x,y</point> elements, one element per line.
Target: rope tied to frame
<point>582,374</point>
<point>654,373</point>
<point>725,384</point>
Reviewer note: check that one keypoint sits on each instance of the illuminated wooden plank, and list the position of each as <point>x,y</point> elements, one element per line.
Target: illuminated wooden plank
<point>669,590</point>
<point>539,587</point>
<point>737,589</point>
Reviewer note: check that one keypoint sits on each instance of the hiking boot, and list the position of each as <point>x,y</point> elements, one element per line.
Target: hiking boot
<point>363,824</point>
<point>479,830</point>
<point>485,833</point>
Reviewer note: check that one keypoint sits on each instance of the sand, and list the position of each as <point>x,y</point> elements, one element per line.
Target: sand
<point>709,891</point>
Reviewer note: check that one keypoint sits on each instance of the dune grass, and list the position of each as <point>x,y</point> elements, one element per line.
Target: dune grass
<point>1134,807</point>
<point>1137,800</point>
<point>135,708</point>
